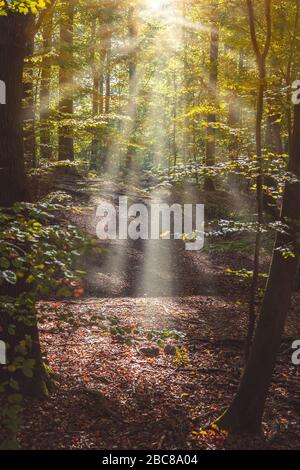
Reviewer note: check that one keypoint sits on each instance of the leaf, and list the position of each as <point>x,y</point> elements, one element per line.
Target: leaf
<point>64,292</point>
<point>4,263</point>
<point>10,277</point>
<point>30,279</point>
<point>27,368</point>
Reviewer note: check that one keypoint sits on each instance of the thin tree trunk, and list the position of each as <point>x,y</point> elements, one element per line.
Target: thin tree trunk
<point>273,134</point>
<point>133,83</point>
<point>186,91</point>
<point>246,411</point>
<point>108,76</point>
<point>290,70</point>
<point>235,112</point>
<point>107,98</point>
<point>95,93</point>
<point>66,82</point>
<point>261,63</point>
<point>234,122</point>
<point>29,100</point>
<point>260,220</point>
<point>45,130</point>
<point>212,118</point>
<point>175,151</point>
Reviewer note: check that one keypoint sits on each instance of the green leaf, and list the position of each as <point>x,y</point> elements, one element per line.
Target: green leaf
<point>10,277</point>
<point>27,368</point>
<point>4,263</point>
<point>30,279</point>
<point>64,292</point>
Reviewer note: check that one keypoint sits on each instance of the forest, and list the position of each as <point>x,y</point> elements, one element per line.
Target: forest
<point>150,225</point>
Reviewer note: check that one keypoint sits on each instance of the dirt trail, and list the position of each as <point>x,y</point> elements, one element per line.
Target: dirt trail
<point>109,394</point>
<point>148,268</point>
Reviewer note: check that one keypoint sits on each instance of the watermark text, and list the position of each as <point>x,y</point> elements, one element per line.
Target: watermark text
<point>2,92</point>
<point>152,222</point>
<point>2,353</point>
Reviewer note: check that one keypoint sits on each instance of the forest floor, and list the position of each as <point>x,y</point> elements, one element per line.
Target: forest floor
<point>153,352</point>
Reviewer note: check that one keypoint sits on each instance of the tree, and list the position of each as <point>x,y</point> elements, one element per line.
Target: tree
<point>13,45</point>
<point>174,123</point>
<point>66,82</point>
<point>15,39</point>
<point>29,97</point>
<point>261,57</point>
<point>246,411</point>
<point>211,119</point>
<point>45,132</point>
<point>107,99</point>
<point>95,90</point>
<point>30,84</point>
<point>133,80</point>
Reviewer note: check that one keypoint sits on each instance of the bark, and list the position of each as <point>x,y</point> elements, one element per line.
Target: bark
<point>95,93</point>
<point>13,42</point>
<point>66,82</point>
<point>186,84</point>
<point>261,64</point>
<point>37,385</point>
<point>175,149</point>
<point>108,76</point>
<point>29,100</point>
<point>212,118</point>
<point>101,84</point>
<point>45,131</point>
<point>133,83</point>
<point>289,71</point>
<point>107,100</point>
<point>246,411</point>
<point>234,122</point>
<point>275,145</point>
<point>273,137</point>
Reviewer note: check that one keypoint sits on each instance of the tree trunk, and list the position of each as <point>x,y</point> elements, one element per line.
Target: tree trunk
<point>186,85</point>
<point>45,131</point>
<point>133,84</point>
<point>175,149</point>
<point>246,411</point>
<point>211,118</point>
<point>13,40</point>
<point>235,111</point>
<point>289,71</point>
<point>261,64</point>
<point>66,82</point>
<point>234,122</point>
<point>14,30</point>
<point>107,100</point>
<point>35,382</point>
<point>29,100</point>
<point>273,134</point>
<point>108,75</point>
<point>260,219</point>
<point>95,93</point>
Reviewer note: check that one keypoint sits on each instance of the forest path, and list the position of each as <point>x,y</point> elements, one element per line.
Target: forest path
<point>117,386</point>
<point>154,268</point>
